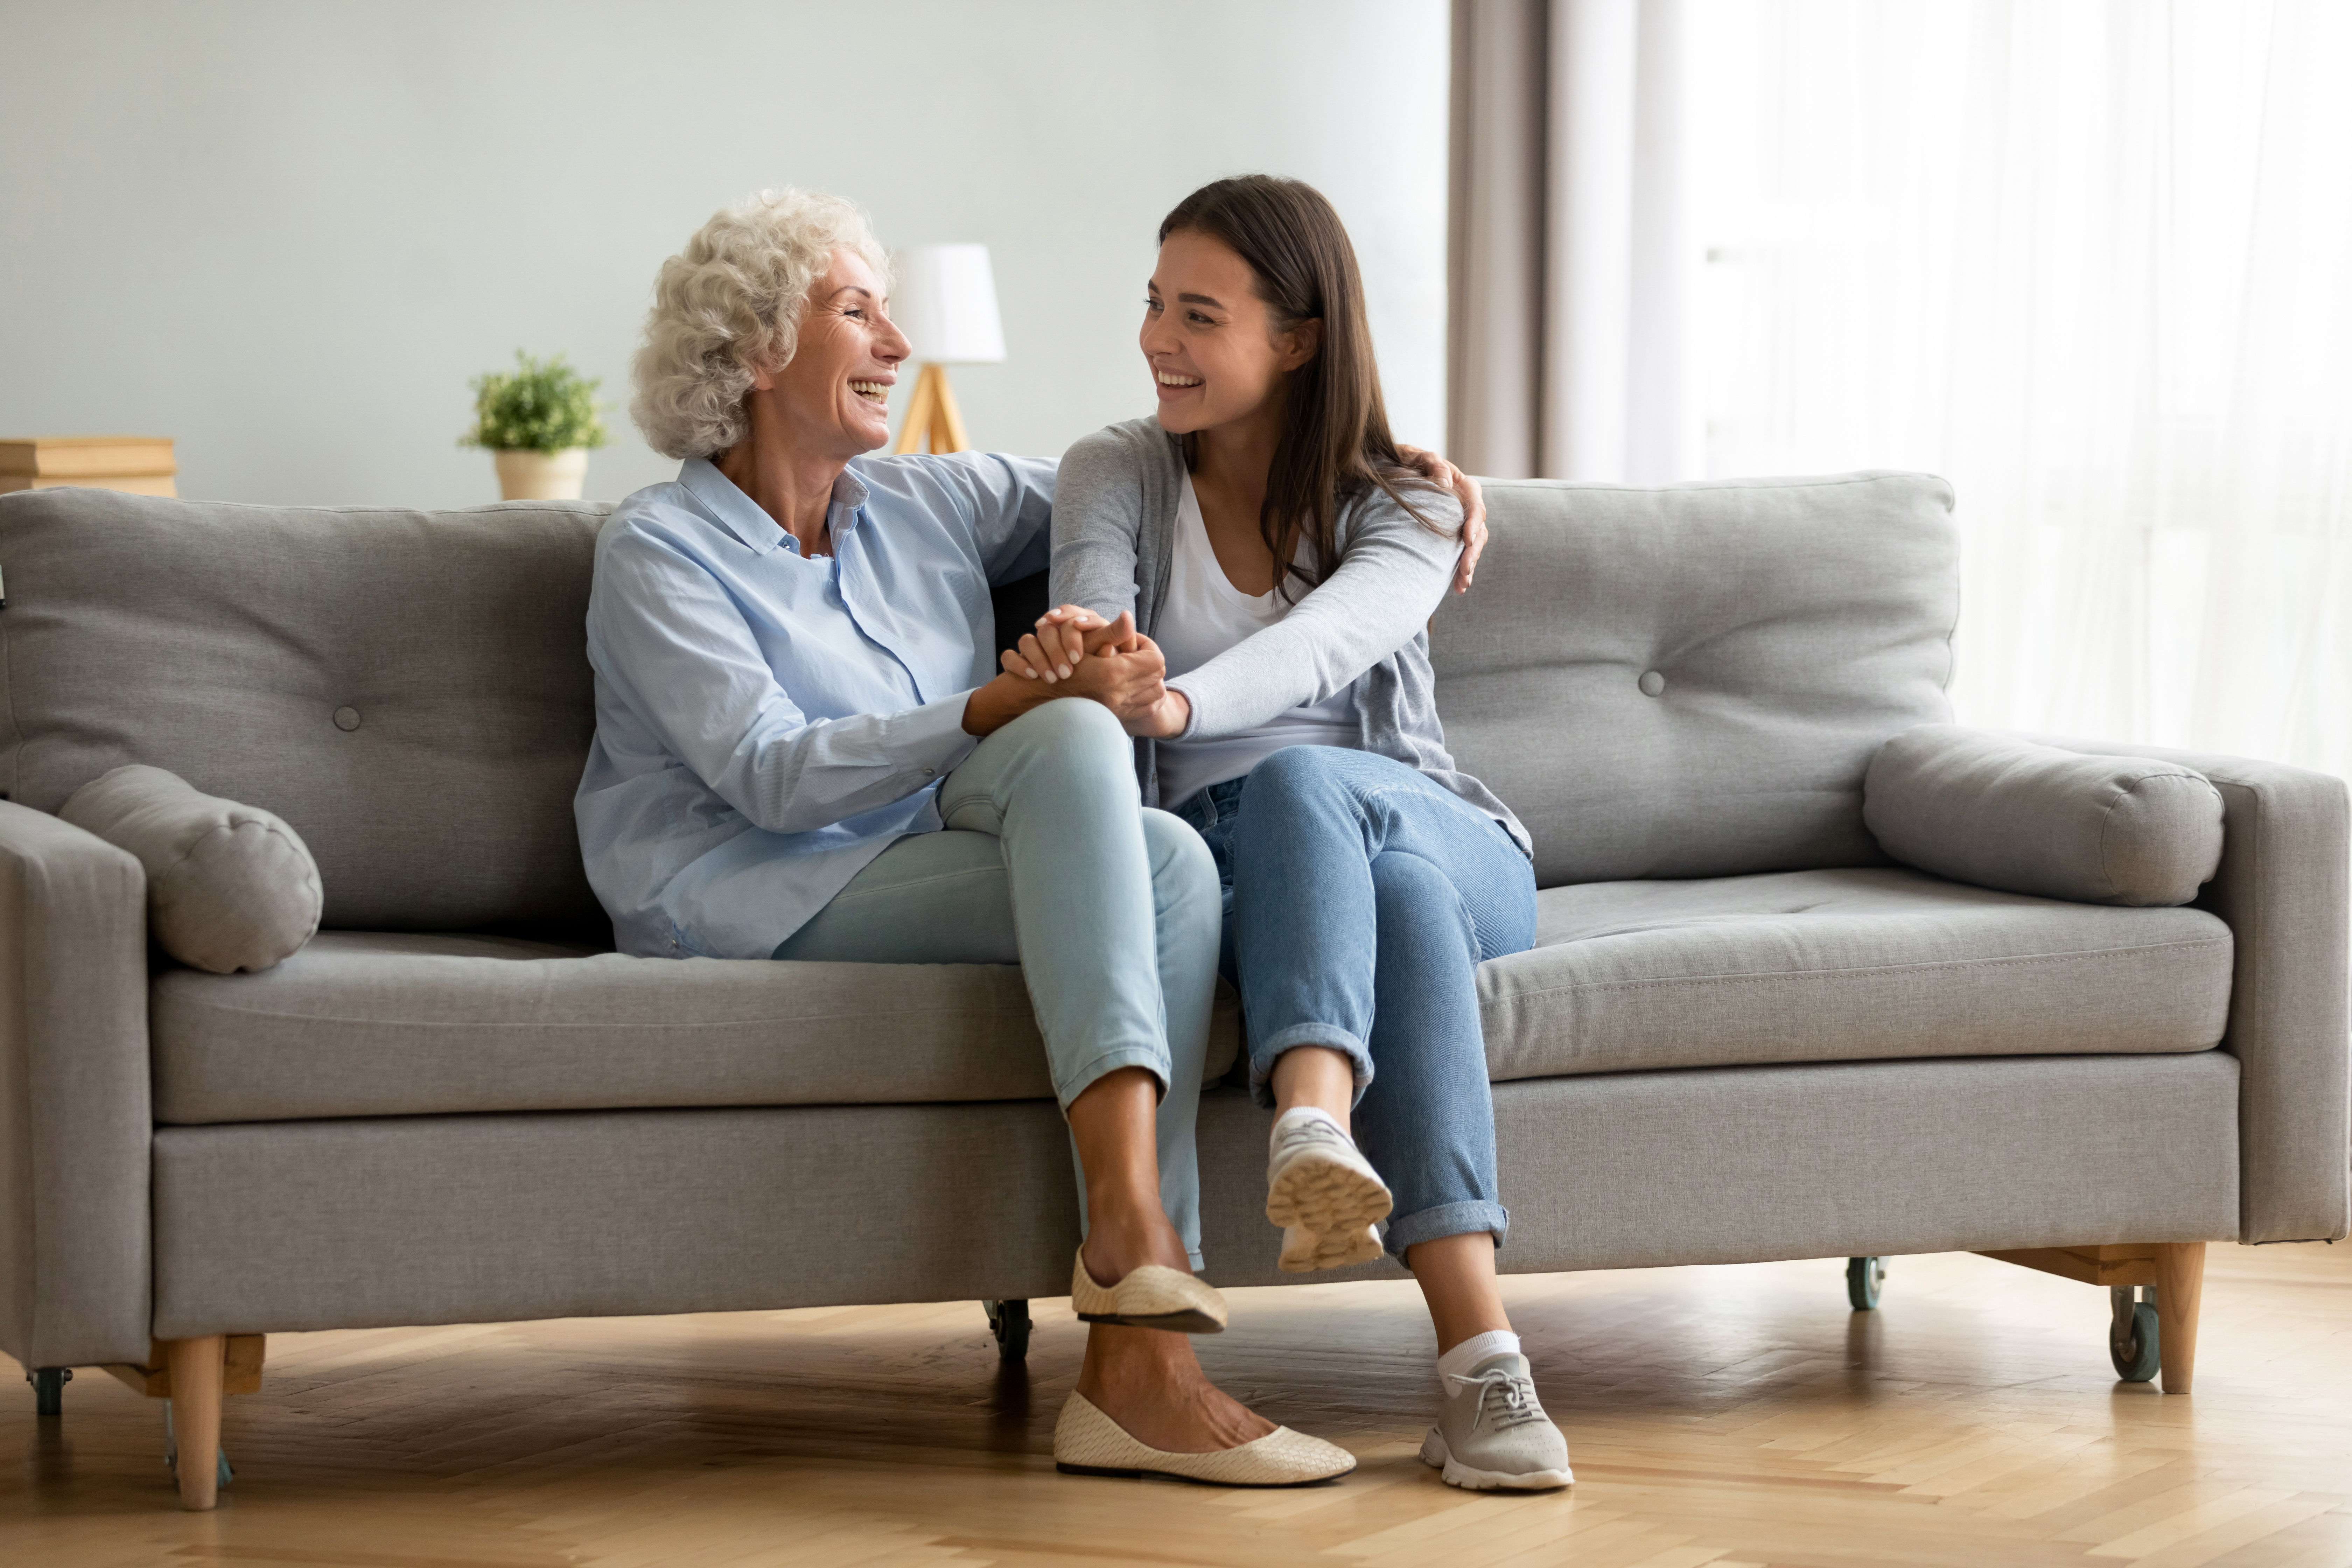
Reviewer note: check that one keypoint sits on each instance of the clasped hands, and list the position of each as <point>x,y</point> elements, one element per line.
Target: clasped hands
<point>1086,656</point>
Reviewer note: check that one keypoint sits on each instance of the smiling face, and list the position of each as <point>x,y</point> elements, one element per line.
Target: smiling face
<point>1215,353</point>
<point>833,397</point>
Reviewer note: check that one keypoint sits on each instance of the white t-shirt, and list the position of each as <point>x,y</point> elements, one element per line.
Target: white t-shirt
<point>1202,617</point>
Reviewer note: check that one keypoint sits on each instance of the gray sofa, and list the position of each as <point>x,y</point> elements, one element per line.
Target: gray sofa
<point>1745,1033</point>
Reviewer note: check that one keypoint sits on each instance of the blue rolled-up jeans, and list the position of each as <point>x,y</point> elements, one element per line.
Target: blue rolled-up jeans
<point>1051,861</point>
<point>1361,897</point>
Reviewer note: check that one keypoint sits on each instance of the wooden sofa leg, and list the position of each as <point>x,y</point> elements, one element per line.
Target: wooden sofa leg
<point>2180,1287</point>
<point>196,1367</point>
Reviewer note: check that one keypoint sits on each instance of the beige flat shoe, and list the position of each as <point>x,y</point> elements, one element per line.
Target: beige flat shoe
<point>1151,1297</point>
<point>1088,1443</point>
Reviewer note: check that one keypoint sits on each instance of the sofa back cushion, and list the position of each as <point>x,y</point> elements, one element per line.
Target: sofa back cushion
<point>408,689</point>
<point>1687,681</point>
<point>1691,680</point>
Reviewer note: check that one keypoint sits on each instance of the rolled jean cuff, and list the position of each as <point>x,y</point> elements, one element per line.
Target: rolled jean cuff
<point>1150,1059</point>
<point>1328,1036</point>
<point>1444,1220</point>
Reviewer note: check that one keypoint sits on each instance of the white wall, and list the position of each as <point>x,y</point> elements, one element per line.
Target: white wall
<point>288,234</point>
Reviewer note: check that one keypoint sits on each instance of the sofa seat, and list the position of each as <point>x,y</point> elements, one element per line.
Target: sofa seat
<point>1808,966</point>
<point>391,1024</point>
<point>1845,965</point>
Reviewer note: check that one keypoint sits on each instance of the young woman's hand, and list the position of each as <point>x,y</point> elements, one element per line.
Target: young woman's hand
<point>1166,718</point>
<point>1438,471</point>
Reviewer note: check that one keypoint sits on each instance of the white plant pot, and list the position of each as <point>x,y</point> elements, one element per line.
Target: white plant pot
<point>542,476</point>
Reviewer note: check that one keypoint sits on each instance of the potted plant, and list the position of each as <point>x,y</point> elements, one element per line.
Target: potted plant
<point>541,422</point>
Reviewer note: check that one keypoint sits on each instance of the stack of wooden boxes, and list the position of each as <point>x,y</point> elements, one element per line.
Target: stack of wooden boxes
<point>139,464</point>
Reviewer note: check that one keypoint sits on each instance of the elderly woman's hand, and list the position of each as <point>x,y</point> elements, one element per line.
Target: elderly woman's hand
<point>1440,472</point>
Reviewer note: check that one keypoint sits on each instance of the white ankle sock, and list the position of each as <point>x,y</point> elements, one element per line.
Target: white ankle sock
<point>1457,1362</point>
<point>1298,1113</point>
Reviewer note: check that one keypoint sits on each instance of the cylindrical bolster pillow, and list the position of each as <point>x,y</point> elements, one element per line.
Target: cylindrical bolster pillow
<point>2007,813</point>
<point>228,887</point>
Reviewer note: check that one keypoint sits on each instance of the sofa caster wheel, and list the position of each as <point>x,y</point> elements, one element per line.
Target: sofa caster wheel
<point>2133,1342</point>
<point>49,1389</point>
<point>1009,1321</point>
<point>1864,1275</point>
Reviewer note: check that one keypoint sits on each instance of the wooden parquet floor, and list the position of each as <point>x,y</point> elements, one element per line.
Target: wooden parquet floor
<point>1724,1416</point>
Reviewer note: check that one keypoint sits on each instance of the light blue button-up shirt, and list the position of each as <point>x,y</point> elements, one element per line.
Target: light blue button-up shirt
<point>768,723</point>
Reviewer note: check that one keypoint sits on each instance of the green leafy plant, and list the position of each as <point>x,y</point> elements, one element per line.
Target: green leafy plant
<point>543,405</point>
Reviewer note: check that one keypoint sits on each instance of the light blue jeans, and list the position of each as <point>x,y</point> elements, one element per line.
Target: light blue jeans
<point>1362,899</point>
<point>1050,861</point>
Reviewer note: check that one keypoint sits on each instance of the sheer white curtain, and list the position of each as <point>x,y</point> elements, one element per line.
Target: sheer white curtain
<point>2092,261</point>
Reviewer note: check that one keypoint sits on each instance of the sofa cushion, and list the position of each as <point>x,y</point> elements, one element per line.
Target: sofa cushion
<point>1843,966</point>
<point>391,1024</point>
<point>2005,812</point>
<point>229,886</point>
<point>1690,682</point>
<point>410,690</point>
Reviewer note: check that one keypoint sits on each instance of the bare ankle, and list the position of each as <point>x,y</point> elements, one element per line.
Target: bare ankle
<point>1118,1244</point>
<point>1315,1078</point>
<point>1122,1359</point>
<point>1151,1383</point>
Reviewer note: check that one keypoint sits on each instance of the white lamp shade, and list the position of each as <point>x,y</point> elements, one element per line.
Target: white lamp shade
<point>945,302</point>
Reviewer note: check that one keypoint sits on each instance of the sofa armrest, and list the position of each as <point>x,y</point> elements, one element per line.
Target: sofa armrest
<point>2282,887</point>
<point>75,1118</point>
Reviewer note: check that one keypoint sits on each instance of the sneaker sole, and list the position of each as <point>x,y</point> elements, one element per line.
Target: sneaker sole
<point>1330,1251</point>
<point>1327,1196</point>
<point>1457,1474</point>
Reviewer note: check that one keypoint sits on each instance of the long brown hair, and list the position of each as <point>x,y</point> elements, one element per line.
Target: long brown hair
<point>1335,447</point>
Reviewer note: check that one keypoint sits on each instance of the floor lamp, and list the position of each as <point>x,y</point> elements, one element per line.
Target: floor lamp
<point>946,304</point>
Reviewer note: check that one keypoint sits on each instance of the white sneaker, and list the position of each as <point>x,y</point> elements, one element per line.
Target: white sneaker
<point>1492,1432</point>
<point>1318,1182</point>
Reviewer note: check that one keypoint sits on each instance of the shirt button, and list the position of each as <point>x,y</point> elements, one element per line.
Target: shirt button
<point>347,719</point>
<point>930,772</point>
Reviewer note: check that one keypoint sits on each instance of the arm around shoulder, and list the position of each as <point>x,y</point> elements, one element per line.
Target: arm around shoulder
<point>1390,581</point>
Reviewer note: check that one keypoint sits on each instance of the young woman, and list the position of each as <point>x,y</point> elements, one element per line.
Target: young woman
<point>1263,532</point>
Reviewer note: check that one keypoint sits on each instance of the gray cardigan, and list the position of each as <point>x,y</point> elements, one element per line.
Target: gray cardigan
<point>1363,630</point>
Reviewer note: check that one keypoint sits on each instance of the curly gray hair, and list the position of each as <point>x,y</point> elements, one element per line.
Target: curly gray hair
<point>729,306</point>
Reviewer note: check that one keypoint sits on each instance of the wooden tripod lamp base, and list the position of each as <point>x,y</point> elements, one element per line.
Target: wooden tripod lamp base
<point>932,416</point>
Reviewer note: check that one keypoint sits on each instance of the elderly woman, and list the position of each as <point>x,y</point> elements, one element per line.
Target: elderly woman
<point>800,754</point>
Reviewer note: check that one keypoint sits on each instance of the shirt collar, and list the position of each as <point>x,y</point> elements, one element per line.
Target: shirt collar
<point>741,516</point>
